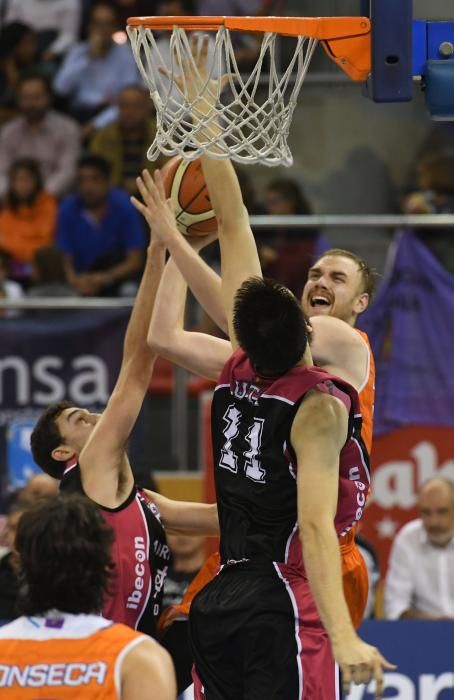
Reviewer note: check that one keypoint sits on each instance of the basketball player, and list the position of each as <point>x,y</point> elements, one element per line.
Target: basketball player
<point>88,453</point>
<point>276,421</point>
<point>61,647</point>
<point>338,276</point>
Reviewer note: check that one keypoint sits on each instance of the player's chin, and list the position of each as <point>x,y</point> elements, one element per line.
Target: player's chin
<point>320,310</point>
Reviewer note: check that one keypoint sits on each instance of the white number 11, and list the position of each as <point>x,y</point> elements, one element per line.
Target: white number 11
<point>229,459</point>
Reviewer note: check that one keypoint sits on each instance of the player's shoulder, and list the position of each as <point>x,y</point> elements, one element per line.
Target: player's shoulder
<point>336,329</point>
<point>321,409</point>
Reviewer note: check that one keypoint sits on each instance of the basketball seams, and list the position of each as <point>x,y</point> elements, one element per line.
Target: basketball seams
<point>180,178</point>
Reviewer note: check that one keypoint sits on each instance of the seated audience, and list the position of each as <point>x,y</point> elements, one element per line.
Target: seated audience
<point>38,486</point>
<point>125,142</point>
<point>435,195</point>
<point>19,57</point>
<point>48,275</point>
<point>9,289</point>
<point>287,253</point>
<point>133,8</point>
<point>420,579</point>
<point>56,22</point>
<point>42,134</point>
<point>28,218</point>
<point>9,583</point>
<point>99,232</point>
<point>188,557</point>
<point>94,71</point>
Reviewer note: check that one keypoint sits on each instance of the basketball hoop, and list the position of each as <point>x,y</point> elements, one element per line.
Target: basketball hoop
<point>254,118</point>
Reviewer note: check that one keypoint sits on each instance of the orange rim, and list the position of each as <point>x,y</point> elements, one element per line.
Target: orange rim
<point>323,28</point>
<point>346,40</point>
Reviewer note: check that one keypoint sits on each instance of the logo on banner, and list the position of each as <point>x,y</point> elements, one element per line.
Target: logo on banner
<point>401,462</point>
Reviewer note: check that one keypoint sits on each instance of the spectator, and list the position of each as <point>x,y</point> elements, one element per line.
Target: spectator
<point>125,142</point>
<point>49,275</point>
<point>287,253</point>
<point>133,8</point>
<point>56,21</point>
<point>9,584</point>
<point>38,486</point>
<point>8,288</point>
<point>40,133</point>
<point>94,71</point>
<point>99,232</point>
<point>420,580</point>
<point>435,195</point>
<point>27,221</point>
<point>19,57</point>
<point>188,557</point>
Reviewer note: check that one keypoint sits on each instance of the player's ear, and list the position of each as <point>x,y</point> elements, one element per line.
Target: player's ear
<point>62,453</point>
<point>361,303</point>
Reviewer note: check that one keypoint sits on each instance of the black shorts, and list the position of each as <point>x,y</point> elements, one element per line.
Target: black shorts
<point>256,635</point>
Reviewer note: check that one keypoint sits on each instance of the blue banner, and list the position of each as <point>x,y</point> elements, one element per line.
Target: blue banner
<point>51,357</point>
<point>423,653</point>
<point>412,335</point>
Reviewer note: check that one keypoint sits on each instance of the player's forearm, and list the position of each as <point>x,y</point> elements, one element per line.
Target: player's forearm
<point>185,517</point>
<point>204,283</point>
<point>323,567</point>
<point>136,334</point>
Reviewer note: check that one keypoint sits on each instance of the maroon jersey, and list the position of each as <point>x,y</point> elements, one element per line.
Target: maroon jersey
<point>255,466</point>
<point>140,554</point>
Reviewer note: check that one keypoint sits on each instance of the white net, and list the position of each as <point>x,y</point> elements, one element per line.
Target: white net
<point>254,113</point>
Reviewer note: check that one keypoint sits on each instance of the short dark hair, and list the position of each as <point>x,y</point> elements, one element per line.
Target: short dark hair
<point>368,275</point>
<point>64,548</point>
<point>97,163</point>
<point>49,265</point>
<point>269,325</point>
<point>46,437</point>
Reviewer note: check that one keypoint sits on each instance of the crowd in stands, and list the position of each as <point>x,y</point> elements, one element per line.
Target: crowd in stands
<point>75,125</point>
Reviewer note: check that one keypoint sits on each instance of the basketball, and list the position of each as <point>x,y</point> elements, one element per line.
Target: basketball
<point>185,185</point>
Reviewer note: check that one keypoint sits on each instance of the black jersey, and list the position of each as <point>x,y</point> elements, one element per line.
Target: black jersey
<point>140,553</point>
<point>255,467</point>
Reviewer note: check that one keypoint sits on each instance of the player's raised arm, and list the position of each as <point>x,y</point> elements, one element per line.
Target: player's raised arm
<point>318,434</point>
<point>239,256</point>
<point>103,463</point>
<point>200,353</point>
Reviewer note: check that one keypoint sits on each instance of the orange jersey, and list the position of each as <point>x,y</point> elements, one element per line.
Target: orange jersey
<point>367,398</point>
<point>64,656</point>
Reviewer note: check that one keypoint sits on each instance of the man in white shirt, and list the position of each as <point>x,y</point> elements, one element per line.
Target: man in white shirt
<point>420,580</point>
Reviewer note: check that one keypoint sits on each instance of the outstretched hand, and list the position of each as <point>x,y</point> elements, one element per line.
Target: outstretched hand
<point>156,208</point>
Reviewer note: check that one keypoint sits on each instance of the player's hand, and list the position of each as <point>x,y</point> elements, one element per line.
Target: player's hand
<point>156,208</point>
<point>360,663</point>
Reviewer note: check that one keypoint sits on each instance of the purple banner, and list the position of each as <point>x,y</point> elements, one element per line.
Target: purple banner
<point>411,329</point>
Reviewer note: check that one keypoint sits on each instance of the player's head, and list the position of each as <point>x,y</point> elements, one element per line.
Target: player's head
<point>436,506</point>
<point>34,97</point>
<point>59,435</point>
<point>270,326</point>
<point>339,284</point>
<point>133,108</point>
<point>93,180</point>
<point>64,547</point>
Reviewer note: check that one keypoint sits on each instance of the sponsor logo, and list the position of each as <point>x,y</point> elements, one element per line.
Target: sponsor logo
<point>139,570</point>
<point>52,675</point>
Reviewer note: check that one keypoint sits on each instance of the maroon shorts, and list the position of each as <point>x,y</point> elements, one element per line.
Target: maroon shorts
<point>256,635</point>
